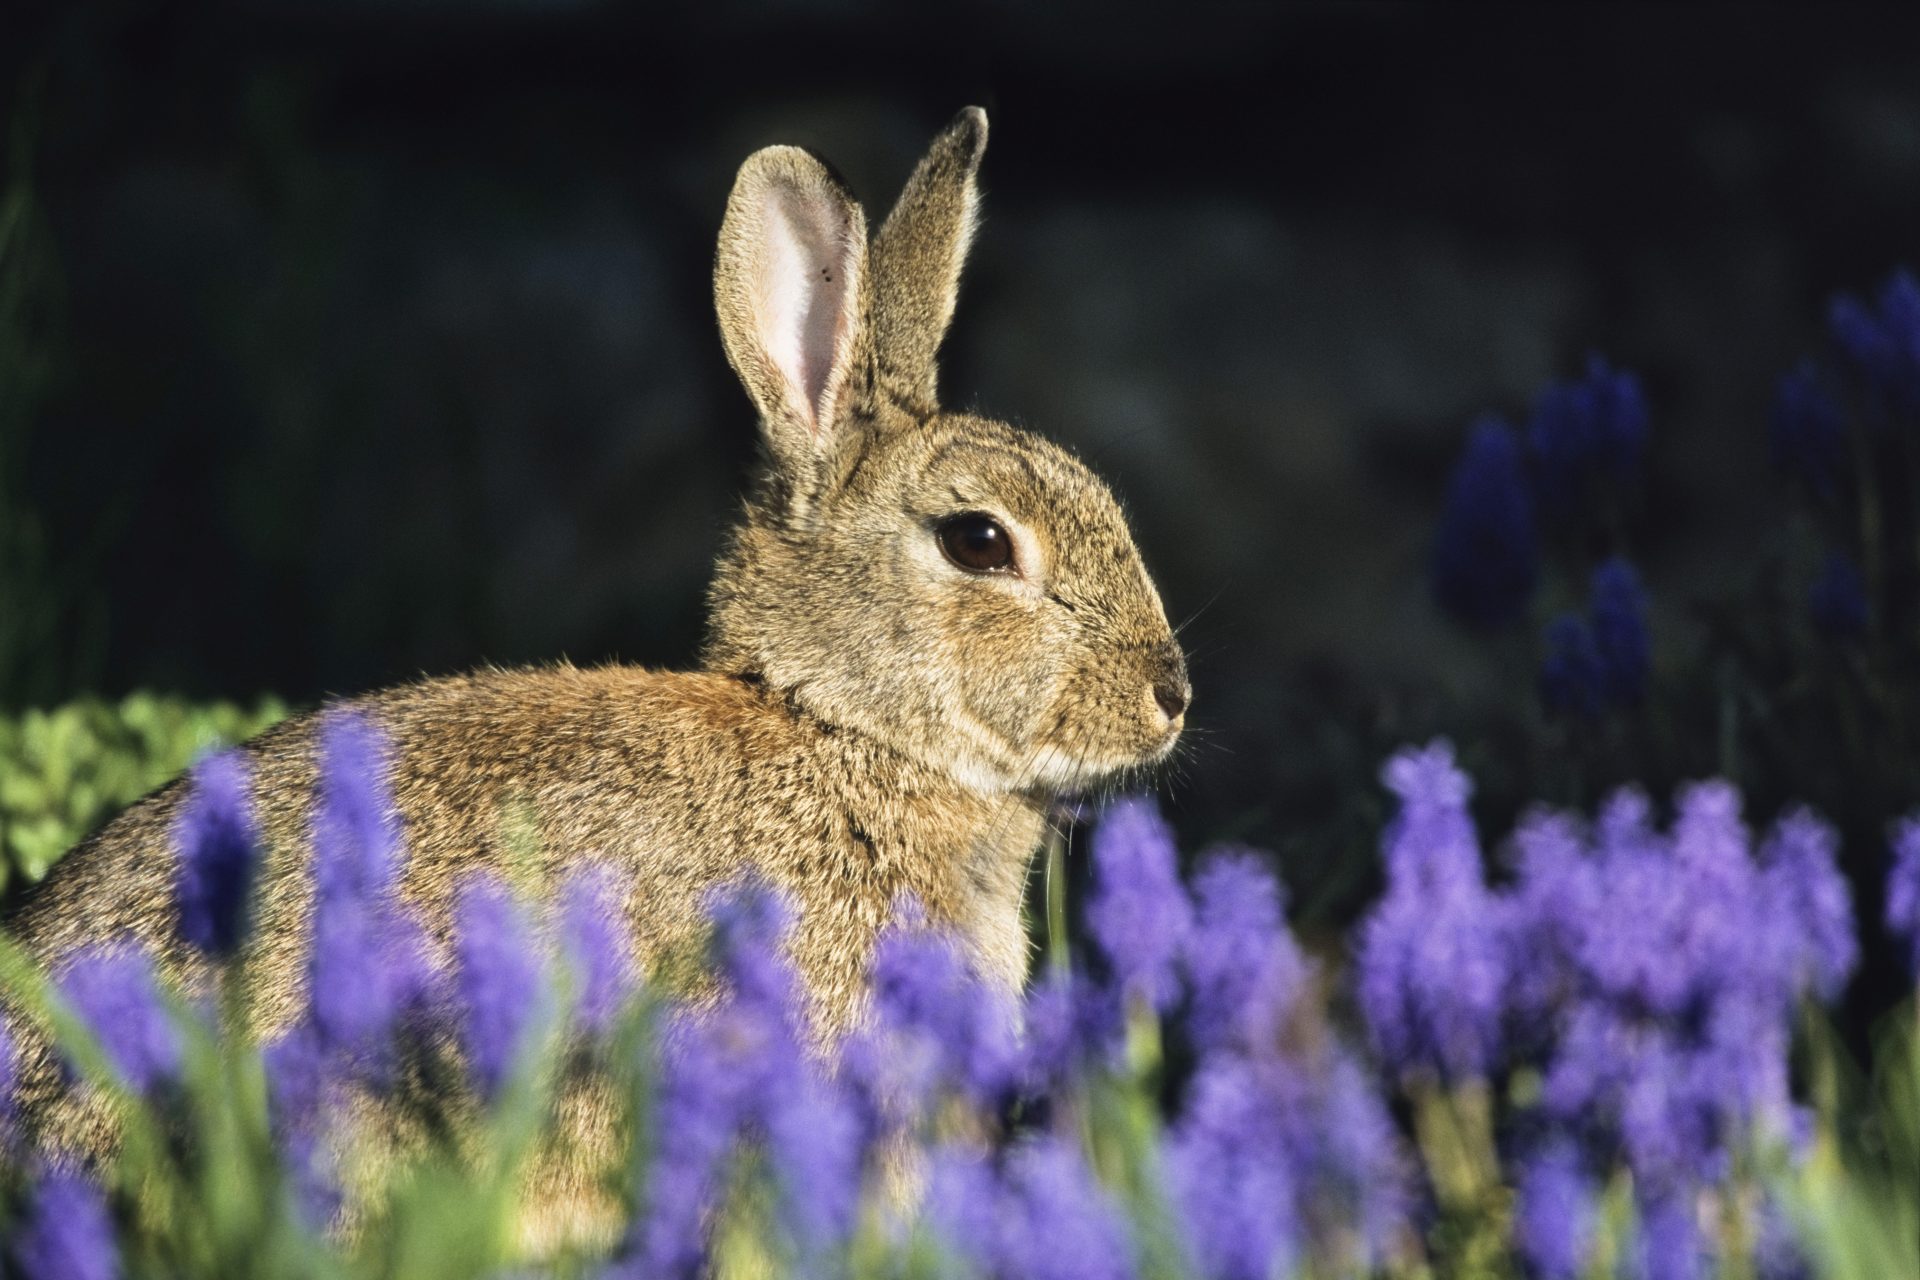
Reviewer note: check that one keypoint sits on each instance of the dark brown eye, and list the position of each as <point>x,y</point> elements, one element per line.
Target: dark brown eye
<point>976,543</point>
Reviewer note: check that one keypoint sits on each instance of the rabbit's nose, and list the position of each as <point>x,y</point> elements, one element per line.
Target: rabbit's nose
<point>1170,687</point>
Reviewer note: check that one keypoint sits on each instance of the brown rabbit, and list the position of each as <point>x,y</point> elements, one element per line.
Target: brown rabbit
<point>926,627</point>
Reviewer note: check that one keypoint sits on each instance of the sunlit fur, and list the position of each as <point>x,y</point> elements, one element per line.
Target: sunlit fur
<point>870,720</point>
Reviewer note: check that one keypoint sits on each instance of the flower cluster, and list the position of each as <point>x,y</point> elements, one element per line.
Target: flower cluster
<point>1641,978</point>
<point>1279,1150</point>
<point>1839,430</point>
<point>1578,457</point>
<point>1649,977</point>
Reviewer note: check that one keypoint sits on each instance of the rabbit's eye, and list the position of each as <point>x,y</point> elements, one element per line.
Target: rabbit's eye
<point>976,543</point>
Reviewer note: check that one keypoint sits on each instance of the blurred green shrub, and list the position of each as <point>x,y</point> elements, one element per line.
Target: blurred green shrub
<point>64,770</point>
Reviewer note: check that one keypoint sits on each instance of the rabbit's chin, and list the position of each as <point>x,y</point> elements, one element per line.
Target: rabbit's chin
<point>1064,775</point>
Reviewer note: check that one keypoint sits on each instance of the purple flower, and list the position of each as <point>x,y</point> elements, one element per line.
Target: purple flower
<point>598,945</point>
<point>1234,1177</point>
<point>964,1210</point>
<point>1585,434</point>
<point>1883,346</point>
<point>1070,1226</point>
<point>1809,431</point>
<point>1555,898</point>
<point>1670,1243</point>
<point>499,982</point>
<point>1432,964</point>
<point>1617,613</point>
<point>356,826</point>
<point>219,855</point>
<point>1837,600</point>
<point>1809,904</point>
<point>8,1068</point>
<point>1554,1219</point>
<point>1068,1024</point>
<point>300,1082</point>
<point>938,1023</point>
<point>1485,557</point>
<point>1903,890</point>
<point>815,1142</point>
<point>367,962</point>
<point>112,989</point>
<point>1572,677</point>
<point>67,1234</point>
<point>1243,966</point>
<point>1139,913</point>
<point>718,1071</point>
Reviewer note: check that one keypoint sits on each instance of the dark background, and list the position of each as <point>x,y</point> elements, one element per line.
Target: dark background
<point>376,339</point>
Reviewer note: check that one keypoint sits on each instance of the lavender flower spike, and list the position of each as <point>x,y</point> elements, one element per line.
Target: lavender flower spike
<point>598,946</point>
<point>219,855</point>
<point>112,989</point>
<point>1903,890</point>
<point>1139,913</point>
<point>367,961</point>
<point>1433,963</point>
<point>1553,1224</point>
<point>499,980</point>
<point>1486,560</point>
<point>68,1234</point>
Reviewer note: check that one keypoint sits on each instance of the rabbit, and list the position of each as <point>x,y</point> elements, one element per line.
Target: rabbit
<point>926,627</point>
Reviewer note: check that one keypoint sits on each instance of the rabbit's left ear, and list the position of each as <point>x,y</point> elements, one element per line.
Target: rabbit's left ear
<point>917,258</point>
<point>789,284</point>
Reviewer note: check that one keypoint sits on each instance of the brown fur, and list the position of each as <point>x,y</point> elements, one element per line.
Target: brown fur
<point>871,720</point>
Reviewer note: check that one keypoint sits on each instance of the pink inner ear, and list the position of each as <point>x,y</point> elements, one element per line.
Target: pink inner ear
<point>801,295</point>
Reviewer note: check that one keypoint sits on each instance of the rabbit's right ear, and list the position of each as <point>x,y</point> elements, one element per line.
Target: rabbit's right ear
<point>789,283</point>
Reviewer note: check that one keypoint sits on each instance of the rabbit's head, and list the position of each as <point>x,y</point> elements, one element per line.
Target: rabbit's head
<point>960,590</point>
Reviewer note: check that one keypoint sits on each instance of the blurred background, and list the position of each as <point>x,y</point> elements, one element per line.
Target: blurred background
<point>342,342</point>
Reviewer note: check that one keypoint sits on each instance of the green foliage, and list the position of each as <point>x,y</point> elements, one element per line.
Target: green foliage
<point>64,771</point>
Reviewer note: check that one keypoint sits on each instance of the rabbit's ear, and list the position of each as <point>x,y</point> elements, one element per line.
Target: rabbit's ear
<point>917,258</point>
<point>789,284</point>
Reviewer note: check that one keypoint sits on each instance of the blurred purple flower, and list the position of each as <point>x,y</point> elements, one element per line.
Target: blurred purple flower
<point>1432,961</point>
<point>1070,1225</point>
<point>1837,600</point>
<point>1486,561</point>
<point>9,1067</point>
<point>1586,433</point>
<point>499,981</point>
<point>1554,1218</point>
<point>1139,912</point>
<point>815,1143</point>
<point>67,1233</point>
<point>1068,1025</point>
<point>1883,344</point>
<point>719,1069</point>
<point>941,1025</point>
<point>1242,964</point>
<point>367,963</point>
<point>219,855</point>
<point>1808,904</point>
<point>1670,1243</point>
<point>1617,612</point>
<point>1572,677</point>
<point>1554,899</point>
<point>964,1211</point>
<point>598,945</point>
<point>1903,890</point>
<point>1234,1180</point>
<point>113,990</point>
<point>1809,431</point>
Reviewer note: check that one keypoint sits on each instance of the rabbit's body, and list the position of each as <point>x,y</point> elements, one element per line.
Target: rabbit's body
<point>927,626</point>
<point>678,781</point>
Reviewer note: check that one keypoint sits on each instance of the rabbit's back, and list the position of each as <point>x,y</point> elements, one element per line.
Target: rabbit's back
<point>679,781</point>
